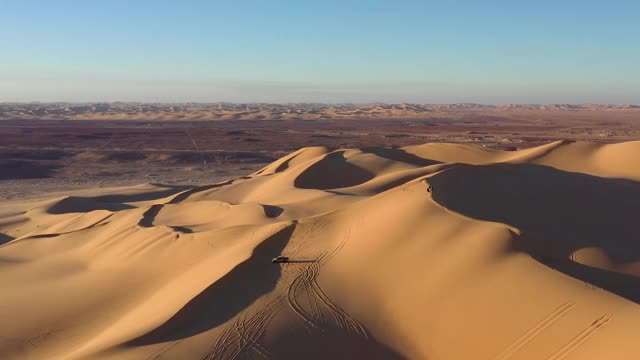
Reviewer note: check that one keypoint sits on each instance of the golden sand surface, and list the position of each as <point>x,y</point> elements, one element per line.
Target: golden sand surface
<point>434,251</point>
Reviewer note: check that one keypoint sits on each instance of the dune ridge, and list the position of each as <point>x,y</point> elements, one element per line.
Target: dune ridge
<point>262,111</point>
<point>434,251</point>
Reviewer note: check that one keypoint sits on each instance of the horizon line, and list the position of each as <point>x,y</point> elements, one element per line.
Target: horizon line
<point>38,102</point>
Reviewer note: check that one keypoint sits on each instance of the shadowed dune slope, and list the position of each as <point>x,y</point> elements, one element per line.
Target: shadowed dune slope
<point>437,251</point>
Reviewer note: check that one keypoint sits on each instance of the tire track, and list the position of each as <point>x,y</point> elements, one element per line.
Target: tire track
<point>314,304</point>
<point>535,331</point>
<point>242,330</point>
<point>309,232</point>
<point>251,330</point>
<point>313,270</point>
<point>306,282</point>
<point>301,283</point>
<point>157,354</point>
<point>298,284</point>
<point>583,336</point>
<point>195,145</point>
<point>342,318</point>
<point>244,333</point>
<point>222,348</point>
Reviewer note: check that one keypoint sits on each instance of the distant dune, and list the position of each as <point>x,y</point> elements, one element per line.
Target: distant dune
<point>435,251</point>
<point>229,111</point>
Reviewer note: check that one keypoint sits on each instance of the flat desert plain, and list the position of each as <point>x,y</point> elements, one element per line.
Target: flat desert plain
<point>466,236</point>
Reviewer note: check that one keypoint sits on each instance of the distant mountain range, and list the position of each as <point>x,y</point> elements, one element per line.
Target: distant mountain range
<point>260,111</point>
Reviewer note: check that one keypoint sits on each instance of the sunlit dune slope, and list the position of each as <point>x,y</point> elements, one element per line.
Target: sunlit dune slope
<point>437,251</point>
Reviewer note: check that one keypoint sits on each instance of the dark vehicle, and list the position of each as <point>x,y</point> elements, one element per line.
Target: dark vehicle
<point>280,259</point>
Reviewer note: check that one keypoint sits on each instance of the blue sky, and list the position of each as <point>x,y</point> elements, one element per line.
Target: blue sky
<point>321,51</point>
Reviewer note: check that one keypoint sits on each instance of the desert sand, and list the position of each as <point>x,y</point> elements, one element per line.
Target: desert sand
<point>292,111</point>
<point>40,155</point>
<point>434,251</point>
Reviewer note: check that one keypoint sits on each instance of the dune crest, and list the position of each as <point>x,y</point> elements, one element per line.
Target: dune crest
<point>436,251</point>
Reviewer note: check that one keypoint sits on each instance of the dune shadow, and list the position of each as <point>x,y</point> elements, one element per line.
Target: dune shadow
<point>4,238</point>
<point>285,165</point>
<point>400,156</point>
<point>39,154</point>
<point>10,261</point>
<point>150,215</point>
<point>182,229</point>
<point>627,286</point>
<point>332,172</point>
<point>332,344</point>
<point>184,195</point>
<point>14,169</point>
<point>226,297</point>
<point>272,211</point>
<point>167,190</point>
<point>561,210</point>
<point>75,204</point>
<point>341,193</point>
<point>558,212</point>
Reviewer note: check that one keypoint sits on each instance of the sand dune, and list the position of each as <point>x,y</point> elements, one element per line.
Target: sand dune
<point>436,251</point>
<point>293,111</point>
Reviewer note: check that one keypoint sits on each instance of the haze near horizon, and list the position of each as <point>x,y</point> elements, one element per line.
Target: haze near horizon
<point>348,51</point>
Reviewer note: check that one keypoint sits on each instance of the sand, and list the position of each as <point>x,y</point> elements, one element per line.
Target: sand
<point>436,251</point>
<point>291,111</point>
